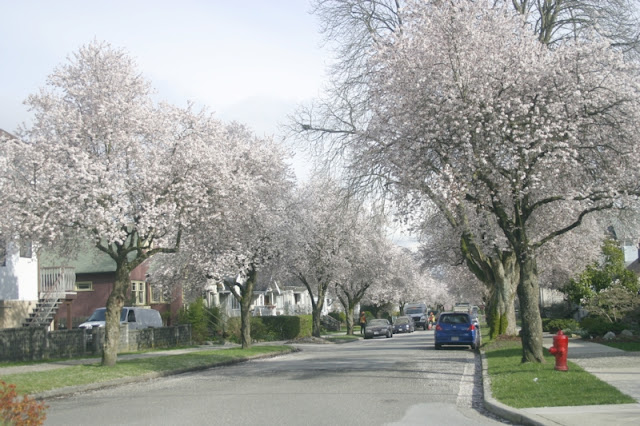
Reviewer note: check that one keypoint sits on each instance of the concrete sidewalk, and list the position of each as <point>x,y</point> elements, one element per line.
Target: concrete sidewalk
<point>618,368</point>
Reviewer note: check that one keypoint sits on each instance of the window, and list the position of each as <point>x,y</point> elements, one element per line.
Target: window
<point>84,286</point>
<point>26,250</point>
<point>157,294</point>
<point>138,290</point>
<point>234,302</point>
<point>296,298</point>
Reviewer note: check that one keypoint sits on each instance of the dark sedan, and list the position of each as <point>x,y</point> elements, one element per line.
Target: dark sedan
<point>404,324</point>
<point>378,328</point>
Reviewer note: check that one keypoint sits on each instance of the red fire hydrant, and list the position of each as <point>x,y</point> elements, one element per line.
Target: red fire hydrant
<point>559,350</point>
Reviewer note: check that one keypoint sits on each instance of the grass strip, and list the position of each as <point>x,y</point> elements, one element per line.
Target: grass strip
<point>540,385</point>
<point>41,381</point>
<point>345,338</point>
<point>625,346</point>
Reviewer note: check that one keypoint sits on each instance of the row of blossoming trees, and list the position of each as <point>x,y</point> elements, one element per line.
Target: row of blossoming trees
<point>514,122</point>
<point>102,162</point>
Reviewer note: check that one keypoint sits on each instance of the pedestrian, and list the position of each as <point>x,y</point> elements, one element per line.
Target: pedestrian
<point>432,319</point>
<point>363,322</point>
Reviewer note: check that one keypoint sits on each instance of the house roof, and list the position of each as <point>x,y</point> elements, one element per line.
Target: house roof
<point>634,266</point>
<point>86,260</point>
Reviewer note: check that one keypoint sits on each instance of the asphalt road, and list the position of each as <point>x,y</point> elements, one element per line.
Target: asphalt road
<point>396,381</point>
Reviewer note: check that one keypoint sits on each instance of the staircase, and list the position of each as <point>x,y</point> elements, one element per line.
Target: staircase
<point>55,283</point>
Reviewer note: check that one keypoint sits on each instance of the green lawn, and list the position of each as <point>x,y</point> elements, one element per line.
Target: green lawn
<point>35,382</point>
<point>625,346</point>
<point>540,385</point>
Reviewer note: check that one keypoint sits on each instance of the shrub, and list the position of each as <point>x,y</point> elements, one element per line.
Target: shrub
<point>562,324</point>
<point>340,316</point>
<point>598,326</point>
<point>258,330</point>
<point>269,329</point>
<point>205,322</point>
<point>19,410</point>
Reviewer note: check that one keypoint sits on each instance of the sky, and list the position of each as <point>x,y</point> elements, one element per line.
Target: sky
<point>250,61</point>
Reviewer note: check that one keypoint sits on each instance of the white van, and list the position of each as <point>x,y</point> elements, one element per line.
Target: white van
<point>137,318</point>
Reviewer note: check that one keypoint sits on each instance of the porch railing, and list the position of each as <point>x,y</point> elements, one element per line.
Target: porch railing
<point>56,281</point>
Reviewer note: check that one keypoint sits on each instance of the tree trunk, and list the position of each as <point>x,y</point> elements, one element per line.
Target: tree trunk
<point>529,295</point>
<point>317,310</point>
<point>501,314</point>
<point>349,318</point>
<point>316,317</point>
<point>245,309</point>
<point>115,302</point>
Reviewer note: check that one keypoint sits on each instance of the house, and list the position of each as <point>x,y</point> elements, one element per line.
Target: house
<point>94,282</point>
<point>45,289</point>
<point>18,282</point>
<point>269,299</point>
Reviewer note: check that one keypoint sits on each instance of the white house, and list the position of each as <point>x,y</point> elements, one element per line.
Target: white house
<point>18,282</point>
<point>269,299</point>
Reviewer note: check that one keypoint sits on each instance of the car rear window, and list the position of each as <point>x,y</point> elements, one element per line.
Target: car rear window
<point>454,319</point>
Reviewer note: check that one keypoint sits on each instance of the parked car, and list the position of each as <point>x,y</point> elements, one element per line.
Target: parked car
<point>456,328</point>
<point>377,328</point>
<point>404,324</point>
<point>136,318</point>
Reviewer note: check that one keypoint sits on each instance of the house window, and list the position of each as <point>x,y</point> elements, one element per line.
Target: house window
<point>157,295</point>
<point>267,299</point>
<point>84,286</point>
<point>296,298</point>
<point>138,292</point>
<point>234,302</point>
<point>25,249</point>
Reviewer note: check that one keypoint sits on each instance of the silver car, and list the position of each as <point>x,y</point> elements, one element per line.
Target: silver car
<point>378,328</point>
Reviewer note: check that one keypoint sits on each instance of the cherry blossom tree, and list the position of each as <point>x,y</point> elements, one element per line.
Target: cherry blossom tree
<point>248,238</point>
<point>102,162</point>
<point>320,225</point>
<point>473,113</point>
<point>366,263</point>
<point>332,122</point>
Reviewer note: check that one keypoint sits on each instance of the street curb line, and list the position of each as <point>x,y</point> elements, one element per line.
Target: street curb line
<point>500,409</point>
<point>71,390</point>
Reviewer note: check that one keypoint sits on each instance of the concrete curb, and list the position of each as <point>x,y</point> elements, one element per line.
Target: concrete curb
<point>71,390</point>
<point>499,409</point>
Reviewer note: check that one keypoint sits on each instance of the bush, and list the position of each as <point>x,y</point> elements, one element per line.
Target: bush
<point>205,322</point>
<point>598,326</point>
<point>561,324</point>
<point>17,410</point>
<point>269,329</point>
<point>340,316</point>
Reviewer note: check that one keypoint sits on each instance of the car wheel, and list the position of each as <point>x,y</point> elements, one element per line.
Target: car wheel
<point>438,346</point>
<point>424,327</point>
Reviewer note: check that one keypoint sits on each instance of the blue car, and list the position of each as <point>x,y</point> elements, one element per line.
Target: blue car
<point>456,329</point>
